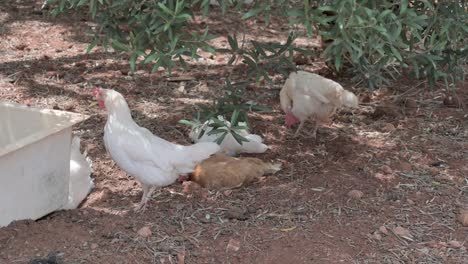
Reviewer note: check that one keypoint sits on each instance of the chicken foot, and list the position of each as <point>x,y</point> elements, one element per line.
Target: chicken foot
<point>147,192</point>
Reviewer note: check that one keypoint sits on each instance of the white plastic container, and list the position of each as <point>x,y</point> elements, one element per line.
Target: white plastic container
<point>34,160</point>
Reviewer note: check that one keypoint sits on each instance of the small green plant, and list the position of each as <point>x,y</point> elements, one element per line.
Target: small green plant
<point>230,106</point>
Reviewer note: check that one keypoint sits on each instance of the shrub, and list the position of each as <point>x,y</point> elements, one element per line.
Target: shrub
<point>374,40</point>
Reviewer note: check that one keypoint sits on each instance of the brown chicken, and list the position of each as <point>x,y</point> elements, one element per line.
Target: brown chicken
<point>221,171</point>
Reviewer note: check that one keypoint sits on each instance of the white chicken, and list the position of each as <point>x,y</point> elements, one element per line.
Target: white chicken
<point>229,145</point>
<point>308,95</point>
<point>153,161</point>
<point>80,183</point>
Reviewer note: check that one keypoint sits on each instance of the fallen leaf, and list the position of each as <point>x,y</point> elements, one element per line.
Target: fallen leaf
<point>289,229</point>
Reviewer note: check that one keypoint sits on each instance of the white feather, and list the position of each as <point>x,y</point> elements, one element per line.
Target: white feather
<point>229,145</point>
<point>80,183</point>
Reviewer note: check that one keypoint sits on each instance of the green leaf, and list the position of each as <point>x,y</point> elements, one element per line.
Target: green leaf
<point>92,45</point>
<point>254,12</point>
<point>249,61</point>
<point>234,117</point>
<point>159,63</point>
<point>231,60</point>
<point>216,131</point>
<point>80,3</point>
<point>238,137</point>
<point>151,57</point>
<point>337,62</point>
<point>189,122</point>
<point>133,59</point>
<point>233,43</point>
<point>396,53</point>
<point>221,138</point>
<point>295,13</point>
<point>117,45</point>
<point>165,9</point>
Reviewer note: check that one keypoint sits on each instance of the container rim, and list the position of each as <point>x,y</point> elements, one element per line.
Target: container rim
<point>67,119</point>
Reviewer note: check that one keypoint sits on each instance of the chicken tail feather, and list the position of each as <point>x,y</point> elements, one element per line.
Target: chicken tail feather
<point>195,154</point>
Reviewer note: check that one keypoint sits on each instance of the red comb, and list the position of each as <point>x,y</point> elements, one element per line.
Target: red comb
<point>96,91</point>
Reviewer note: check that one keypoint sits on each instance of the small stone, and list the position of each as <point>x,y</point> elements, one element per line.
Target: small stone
<point>403,232</point>
<point>433,171</point>
<point>463,217</point>
<point>383,230</point>
<point>181,89</point>
<point>452,101</point>
<point>68,107</point>
<point>145,232</point>
<point>388,127</point>
<point>386,169</point>
<point>251,209</point>
<point>181,257</point>
<point>404,166</point>
<point>376,236</point>
<point>384,177</point>
<point>233,245</point>
<point>410,103</point>
<point>236,213</point>
<point>355,194</point>
<point>190,187</point>
<point>203,87</point>
<point>94,246</point>
<point>455,244</point>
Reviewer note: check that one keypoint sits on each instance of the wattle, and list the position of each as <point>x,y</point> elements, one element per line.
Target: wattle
<point>101,104</point>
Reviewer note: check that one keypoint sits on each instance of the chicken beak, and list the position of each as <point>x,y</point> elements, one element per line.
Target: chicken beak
<point>97,92</point>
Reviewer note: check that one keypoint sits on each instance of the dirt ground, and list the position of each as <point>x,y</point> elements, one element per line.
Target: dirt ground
<point>405,150</point>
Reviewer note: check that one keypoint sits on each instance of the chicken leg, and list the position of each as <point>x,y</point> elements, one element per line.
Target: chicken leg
<point>312,134</point>
<point>147,191</point>
<point>299,128</point>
